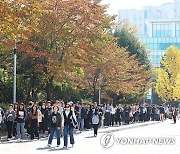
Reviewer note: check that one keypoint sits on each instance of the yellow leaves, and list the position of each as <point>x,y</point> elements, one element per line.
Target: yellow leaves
<point>18,18</point>
<point>168,80</point>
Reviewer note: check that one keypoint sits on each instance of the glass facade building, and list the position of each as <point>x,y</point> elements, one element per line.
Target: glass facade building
<point>162,34</point>
<point>159,27</point>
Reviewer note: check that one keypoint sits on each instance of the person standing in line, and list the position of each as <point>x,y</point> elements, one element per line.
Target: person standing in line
<point>100,112</point>
<point>15,107</point>
<point>174,114</point>
<point>166,112</point>
<point>2,117</point>
<point>153,114</point>
<point>44,123</point>
<point>69,124</point>
<point>61,109</point>
<point>112,115</point>
<point>55,124</point>
<point>89,116</point>
<point>157,113</point>
<point>21,114</point>
<point>28,119</point>
<point>127,110</point>
<point>95,121</point>
<point>81,113</point>
<point>40,117</point>
<point>144,113</point>
<point>118,115</point>
<point>10,116</point>
<point>161,109</point>
<point>149,112</point>
<point>49,108</point>
<point>34,122</point>
<point>107,114</point>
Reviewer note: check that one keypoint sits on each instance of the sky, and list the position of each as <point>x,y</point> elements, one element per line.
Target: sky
<point>115,5</point>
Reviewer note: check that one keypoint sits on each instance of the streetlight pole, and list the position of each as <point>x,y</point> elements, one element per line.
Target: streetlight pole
<point>14,84</point>
<point>99,95</point>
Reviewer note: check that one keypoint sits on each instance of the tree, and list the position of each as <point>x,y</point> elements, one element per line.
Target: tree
<point>18,18</point>
<point>126,38</point>
<point>125,34</point>
<point>65,34</point>
<point>168,76</point>
<point>114,71</point>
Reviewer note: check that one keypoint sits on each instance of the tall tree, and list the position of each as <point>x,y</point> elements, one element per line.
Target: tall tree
<point>113,71</point>
<point>168,76</point>
<point>126,38</point>
<point>65,33</point>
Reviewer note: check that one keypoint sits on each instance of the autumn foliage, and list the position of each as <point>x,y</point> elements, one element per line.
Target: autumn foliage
<point>168,76</point>
<point>68,41</point>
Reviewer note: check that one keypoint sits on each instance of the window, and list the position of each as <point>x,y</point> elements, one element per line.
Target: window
<point>162,30</point>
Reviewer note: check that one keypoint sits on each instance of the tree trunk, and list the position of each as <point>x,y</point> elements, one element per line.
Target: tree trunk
<point>49,86</point>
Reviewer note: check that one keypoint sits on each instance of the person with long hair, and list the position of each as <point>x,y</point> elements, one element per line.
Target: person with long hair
<point>21,114</point>
<point>43,126</point>
<point>69,124</point>
<point>15,120</point>
<point>55,124</point>
<point>34,122</point>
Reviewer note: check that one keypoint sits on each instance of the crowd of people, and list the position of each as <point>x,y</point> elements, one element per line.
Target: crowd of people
<point>59,118</point>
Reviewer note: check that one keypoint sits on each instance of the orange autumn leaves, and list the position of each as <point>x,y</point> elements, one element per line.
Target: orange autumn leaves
<point>114,70</point>
<point>69,40</point>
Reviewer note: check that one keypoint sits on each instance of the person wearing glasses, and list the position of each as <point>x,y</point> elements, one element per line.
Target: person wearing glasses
<point>69,124</point>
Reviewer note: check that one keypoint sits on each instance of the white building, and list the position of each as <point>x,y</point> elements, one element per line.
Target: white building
<point>139,17</point>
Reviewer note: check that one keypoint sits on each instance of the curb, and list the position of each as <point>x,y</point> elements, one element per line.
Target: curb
<point>130,127</point>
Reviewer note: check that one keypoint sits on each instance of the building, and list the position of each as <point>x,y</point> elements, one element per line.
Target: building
<point>162,33</point>
<point>159,27</point>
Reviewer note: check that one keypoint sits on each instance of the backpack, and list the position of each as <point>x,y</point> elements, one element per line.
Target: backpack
<point>95,119</point>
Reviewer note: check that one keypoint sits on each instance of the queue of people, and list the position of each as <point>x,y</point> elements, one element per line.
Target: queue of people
<point>57,118</point>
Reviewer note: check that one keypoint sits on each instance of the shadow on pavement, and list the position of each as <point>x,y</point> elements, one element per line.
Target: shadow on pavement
<point>89,137</point>
<point>52,148</point>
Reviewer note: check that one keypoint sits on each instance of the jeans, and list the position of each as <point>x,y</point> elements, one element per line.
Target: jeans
<point>68,130</point>
<point>52,131</point>
<point>81,123</point>
<point>20,130</point>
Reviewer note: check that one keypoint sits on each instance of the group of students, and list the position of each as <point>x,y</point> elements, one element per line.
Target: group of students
<point>50,119</point>
<point>61,118</point>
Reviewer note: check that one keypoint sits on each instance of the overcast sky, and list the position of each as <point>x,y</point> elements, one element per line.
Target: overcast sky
<point>115,5</point>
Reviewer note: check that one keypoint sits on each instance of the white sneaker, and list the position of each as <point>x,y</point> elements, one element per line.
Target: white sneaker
<point>58,145</point>
<point>49,145</point>
<point>65,147</point>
